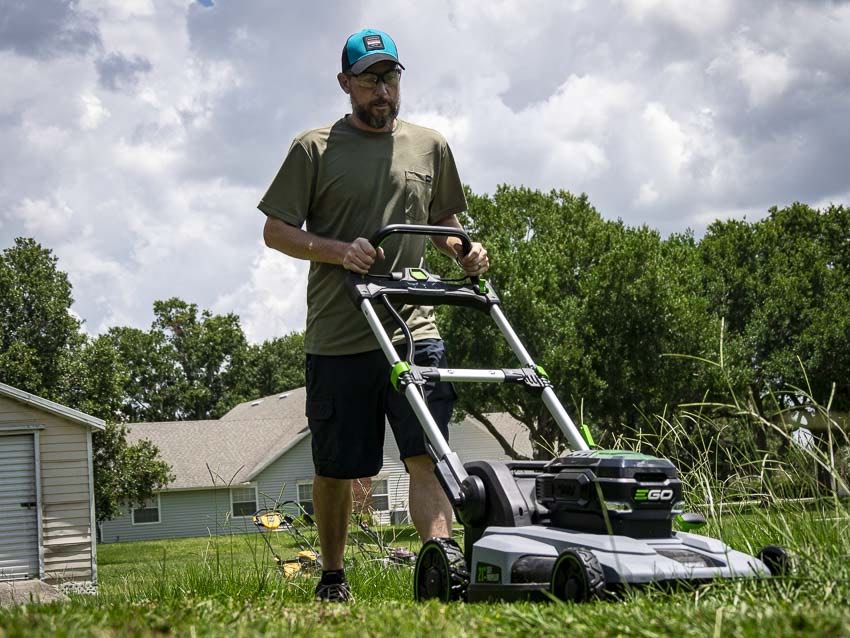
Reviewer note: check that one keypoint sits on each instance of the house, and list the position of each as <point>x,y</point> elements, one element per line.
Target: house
<point>258,455</point>
<point>47,519</point>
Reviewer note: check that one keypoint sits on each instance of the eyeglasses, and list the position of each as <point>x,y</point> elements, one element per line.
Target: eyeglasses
<point>370,80</point>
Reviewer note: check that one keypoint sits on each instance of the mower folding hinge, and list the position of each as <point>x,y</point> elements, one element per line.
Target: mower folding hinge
<point>534,379</point>
<point>406,376</point>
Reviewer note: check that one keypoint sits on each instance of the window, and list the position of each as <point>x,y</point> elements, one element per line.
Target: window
<point>243,501</point>
<point>148,512</point>
<point>380,495</point>
<point>305,495</point>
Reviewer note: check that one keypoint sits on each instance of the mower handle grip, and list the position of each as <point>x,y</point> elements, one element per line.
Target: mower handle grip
<point>420,229</point>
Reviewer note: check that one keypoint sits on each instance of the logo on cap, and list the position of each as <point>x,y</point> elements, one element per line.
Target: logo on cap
<point>373,42</point>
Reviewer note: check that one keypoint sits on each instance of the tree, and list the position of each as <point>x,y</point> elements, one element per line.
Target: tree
<point>597,304</point>
<point>782,286</point>
<point>37,331</point>
<point>263,369</point>
<point>154,382</point>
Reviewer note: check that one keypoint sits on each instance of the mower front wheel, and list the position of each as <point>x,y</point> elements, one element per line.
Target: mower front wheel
<point>441,572</point>
<point>777,559</point>
<point>577,576</point>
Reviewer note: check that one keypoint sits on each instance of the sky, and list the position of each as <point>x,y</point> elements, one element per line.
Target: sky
<point>138,136</point>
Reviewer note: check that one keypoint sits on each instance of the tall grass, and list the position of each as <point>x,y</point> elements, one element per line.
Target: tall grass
<point>741,467</point>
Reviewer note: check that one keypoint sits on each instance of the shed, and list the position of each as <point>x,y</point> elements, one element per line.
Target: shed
<point>47,519</point>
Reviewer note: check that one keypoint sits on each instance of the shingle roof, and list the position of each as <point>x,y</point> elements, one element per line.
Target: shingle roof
<point>515,432</point>
<point>231,449</point>
<point>250,436</point>
<point>289,404</point>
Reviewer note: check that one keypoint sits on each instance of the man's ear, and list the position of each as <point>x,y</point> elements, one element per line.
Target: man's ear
<point>343,80</point>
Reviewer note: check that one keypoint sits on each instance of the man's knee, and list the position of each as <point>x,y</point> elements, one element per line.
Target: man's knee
<point>420,465</point>
<point>332,486</point>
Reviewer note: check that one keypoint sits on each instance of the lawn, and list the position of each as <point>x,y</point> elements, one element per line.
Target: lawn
<point>228,586</point>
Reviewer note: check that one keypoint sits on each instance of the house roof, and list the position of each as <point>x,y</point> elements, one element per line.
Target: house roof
<point>289,404</point>
<point>50,406</point>
<point>219,452</point>
<point>515,432</point>
<point>240,445</point>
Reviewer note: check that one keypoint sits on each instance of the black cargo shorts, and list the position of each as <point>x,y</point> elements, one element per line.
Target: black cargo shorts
<point>348,397</point>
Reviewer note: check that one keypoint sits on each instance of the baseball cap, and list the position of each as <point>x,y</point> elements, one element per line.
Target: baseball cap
<point>365,48</point>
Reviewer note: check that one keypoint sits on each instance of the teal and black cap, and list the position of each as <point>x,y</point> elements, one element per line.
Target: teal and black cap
<point>365,48</point>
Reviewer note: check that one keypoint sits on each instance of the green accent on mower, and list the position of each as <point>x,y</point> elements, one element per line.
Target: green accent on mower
<point>418,274</point>
<point>402,367</point>
<point>617,454</point>
<point>586,435</point>
<point>690,521</point>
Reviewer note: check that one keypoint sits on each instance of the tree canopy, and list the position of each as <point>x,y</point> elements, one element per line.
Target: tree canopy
<point>621,318</point>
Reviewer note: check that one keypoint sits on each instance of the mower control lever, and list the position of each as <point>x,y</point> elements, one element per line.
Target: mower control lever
<point>421,229</point>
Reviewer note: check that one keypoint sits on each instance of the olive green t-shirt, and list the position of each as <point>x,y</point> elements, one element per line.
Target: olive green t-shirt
<point>347,183</point>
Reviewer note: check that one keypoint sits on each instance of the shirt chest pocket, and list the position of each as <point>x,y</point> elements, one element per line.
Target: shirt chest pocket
<point>417,196</point>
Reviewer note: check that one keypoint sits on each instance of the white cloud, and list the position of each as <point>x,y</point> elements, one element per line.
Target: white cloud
<point>695,16</point>
<point>765,74</point>
<point>50,217</point>
<point>647,194</point>
<point>666,112</point>
<point>273,300</point>
<point>93,112</point>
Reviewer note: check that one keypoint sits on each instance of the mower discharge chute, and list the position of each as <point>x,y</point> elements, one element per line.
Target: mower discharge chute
<point>574,527</point>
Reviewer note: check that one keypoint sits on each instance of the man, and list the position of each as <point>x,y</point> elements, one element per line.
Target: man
<point>346,181</point>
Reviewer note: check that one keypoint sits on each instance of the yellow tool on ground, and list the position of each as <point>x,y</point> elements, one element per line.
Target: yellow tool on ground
<point>272,520</point>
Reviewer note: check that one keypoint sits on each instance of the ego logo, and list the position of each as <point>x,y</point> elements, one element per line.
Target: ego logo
<point>653,495</point>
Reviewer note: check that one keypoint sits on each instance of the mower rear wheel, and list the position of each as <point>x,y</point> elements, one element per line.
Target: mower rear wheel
<point>441,572</point>
<point>577,576</point>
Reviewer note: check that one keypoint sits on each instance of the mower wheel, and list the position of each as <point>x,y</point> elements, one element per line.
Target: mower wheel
<point>577,576</point>
<point>440,572</point>
<point>777,559</point>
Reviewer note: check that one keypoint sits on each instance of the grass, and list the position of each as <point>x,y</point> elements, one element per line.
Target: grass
<point>229,586</point>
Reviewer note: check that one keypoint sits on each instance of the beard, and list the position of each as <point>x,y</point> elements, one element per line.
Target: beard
<point>365,114</point>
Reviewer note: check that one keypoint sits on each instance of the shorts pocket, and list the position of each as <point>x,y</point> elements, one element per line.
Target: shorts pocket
<point>319,409</point>
<point>417,196</point>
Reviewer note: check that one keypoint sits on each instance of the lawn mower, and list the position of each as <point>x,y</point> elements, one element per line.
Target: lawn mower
<point>272,520</point>
<point>574,528</point>
<point>376,548</point>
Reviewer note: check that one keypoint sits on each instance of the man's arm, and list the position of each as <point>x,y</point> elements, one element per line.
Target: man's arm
<point>475,263</point>
<point>358,255</point>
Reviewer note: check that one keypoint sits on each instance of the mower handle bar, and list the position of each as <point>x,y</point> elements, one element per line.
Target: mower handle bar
<point>420,229</point>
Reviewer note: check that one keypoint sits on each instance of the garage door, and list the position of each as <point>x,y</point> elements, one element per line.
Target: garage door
<point>18,513</point>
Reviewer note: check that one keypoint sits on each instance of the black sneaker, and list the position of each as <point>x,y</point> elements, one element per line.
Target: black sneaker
<point>333,593</point>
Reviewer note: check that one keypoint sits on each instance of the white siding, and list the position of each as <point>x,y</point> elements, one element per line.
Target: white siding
<point>203,512</point>
<point>66,500</point>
